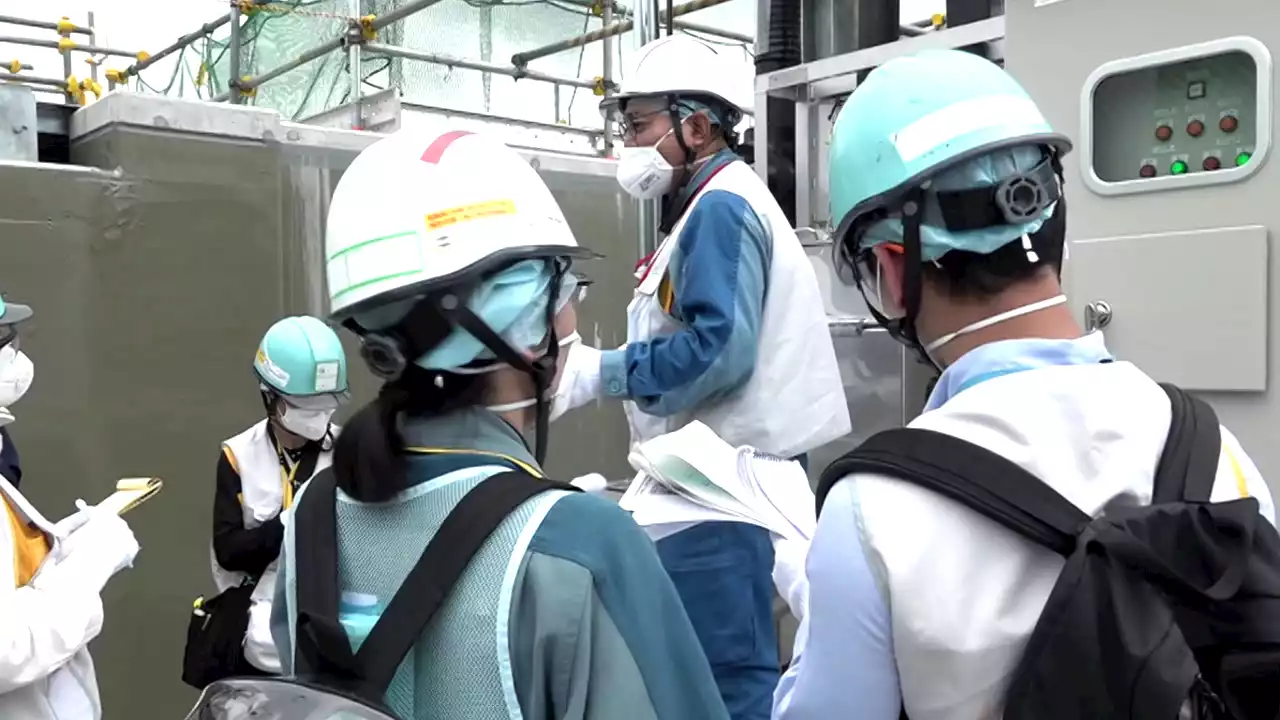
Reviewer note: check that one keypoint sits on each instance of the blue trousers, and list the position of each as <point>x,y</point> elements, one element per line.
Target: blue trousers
<point>724,574</point>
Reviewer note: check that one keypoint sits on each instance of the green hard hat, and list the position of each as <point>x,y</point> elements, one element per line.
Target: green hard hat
<point>301,357</point>
<point>940,115</point>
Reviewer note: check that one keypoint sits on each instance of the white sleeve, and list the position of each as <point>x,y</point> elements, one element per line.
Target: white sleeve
<point>579,381</point>
<point>45,623</point>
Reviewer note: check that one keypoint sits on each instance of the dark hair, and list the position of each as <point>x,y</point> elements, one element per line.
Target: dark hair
<point>368,458</point>
<point>977,276</point>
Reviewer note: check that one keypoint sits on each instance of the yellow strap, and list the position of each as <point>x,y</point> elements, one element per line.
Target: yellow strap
<point>287,479</point>
<point>452,451</point>
<point>231,458</point>
<point>1242,484</point>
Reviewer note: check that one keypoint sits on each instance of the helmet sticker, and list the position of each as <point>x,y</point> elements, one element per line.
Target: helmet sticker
<point>326,376</point>
<point>951,122</point>
<point>273,372</point>
<point>467,213</point>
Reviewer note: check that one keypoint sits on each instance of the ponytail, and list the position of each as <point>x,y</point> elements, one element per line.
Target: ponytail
<point>368,458</point>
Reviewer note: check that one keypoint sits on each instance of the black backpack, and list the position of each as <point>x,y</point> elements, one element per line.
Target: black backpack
<point>1162,610</point>
<point>323,656</point>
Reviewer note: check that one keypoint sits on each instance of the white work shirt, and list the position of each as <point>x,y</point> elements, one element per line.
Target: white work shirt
<point>917,599</point>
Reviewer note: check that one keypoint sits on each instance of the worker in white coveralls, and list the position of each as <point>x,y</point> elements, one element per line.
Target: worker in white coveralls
<point>52,596</point>
<point>301,371</point>
<point>450,258</point>
<point>946,178</point>
<point>726,327</point>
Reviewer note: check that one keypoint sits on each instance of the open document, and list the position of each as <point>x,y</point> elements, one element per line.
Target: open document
<point>692,475</point>
<point>130,493</point>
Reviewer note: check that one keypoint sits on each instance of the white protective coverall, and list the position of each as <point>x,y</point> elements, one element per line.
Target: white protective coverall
<point>51,607</point>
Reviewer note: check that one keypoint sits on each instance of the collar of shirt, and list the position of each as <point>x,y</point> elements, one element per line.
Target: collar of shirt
<point>1011,356</point>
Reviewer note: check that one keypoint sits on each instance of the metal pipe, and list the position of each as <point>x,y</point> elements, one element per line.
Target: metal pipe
<point>66,74</point>
<point>42,24</point>
<point>611,7</point>
<point>606,75</point>
<point>314,53</point>
<point>402,12</point>
<point>437,59</point>
<point>182,42</point>
<point>93,40</point>
<point>233,63</point>
<point>353,61</point>
<point>488,117</point>
<point>33,80</point>
<point>648,212</point>
<point>53,45</point>
<point>522,59</point>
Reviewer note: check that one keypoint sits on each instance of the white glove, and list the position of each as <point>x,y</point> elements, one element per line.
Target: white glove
<point>579,381</point>
<point>789,577</point>
<point>101,547</point>
<point>593,483</point>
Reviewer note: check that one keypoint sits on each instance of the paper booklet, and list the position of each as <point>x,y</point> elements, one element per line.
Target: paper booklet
<point>692,475</point>
<point>130,493</point>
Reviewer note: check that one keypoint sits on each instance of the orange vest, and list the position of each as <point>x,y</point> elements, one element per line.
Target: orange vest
<point>30,546</point>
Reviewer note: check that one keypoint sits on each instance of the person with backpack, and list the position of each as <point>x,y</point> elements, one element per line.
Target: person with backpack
<point>1057,536</point>
<point>434,571</point>
<point>300,370</point>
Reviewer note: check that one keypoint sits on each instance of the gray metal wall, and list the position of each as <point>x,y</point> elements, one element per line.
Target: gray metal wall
<point>1190,300</point>
<point>152,285</point>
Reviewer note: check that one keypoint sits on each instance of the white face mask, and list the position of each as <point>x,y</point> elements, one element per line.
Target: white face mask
<point>995,319</point>
<point>16,374</point>
<point>310,424</point>
<point>643,173</point>
<point>565,341</point>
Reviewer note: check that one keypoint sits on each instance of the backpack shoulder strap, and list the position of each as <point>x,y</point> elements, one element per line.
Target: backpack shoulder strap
<point>1189,462</point>
<point>428,584</point>
<point>971,475</point>
<point>322,644</point>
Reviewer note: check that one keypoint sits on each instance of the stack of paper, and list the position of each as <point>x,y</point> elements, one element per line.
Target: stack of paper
<point>130,493</point>
<point>692,476</point>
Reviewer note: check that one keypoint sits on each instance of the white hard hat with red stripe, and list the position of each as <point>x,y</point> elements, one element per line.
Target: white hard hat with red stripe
<point>418,212</point>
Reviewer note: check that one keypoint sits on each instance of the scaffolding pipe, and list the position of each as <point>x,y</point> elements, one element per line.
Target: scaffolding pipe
<point>524,58</point>
<point>233,63</point>
<point>353,64</point>
<point>42,24</point>
<point>610,7</point>
<point>34,80</point>
<point>54,45</point>
<point>606,76</point>
<point>437,59</point>
<point>182,42</point>
<point>314,53</point>
<point>93,40</point>
<point>401,13</point>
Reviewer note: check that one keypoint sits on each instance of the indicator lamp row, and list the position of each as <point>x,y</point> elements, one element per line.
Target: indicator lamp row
<point>1180,167</point>
<point>1227,124</point>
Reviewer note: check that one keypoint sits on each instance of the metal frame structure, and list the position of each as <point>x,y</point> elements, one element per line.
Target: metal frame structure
<point>359,40</point>
<point>817,89</point>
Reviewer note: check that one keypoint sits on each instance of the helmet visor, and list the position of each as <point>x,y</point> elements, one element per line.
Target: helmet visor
<point>327,401</point>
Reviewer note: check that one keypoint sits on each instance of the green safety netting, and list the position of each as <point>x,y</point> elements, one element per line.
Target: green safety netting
<point>488,30</point>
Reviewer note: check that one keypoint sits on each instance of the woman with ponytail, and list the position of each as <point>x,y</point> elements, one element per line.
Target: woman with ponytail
<point>449,258</point>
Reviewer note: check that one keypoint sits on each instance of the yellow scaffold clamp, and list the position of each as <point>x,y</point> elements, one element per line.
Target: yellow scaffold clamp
<point>246,91</point>
<point>116,76</point>
<point>938,20</point>
<point>597,7</point>
<point>66,45</point>
<point>202,74</point>
<point>142,56</point>
<point>91,60</point>
<point>66,27</point>
<point>367,30</point>
<point>74,91</point>
<point>15,66</point>
<point>598,88</point>
<point>246,7</point>
<point>91,85</point>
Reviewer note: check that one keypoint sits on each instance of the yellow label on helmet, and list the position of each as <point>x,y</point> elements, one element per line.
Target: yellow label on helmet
<point>467,213</point>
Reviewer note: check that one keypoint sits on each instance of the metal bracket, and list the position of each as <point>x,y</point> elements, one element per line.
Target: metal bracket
<point>1097,315</point>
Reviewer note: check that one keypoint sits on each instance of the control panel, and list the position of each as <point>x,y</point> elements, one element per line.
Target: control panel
<point>1191,116</point>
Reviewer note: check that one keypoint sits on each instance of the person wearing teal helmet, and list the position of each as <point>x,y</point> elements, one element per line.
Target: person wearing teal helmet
<point>301,371</point>
<point>946,184</point>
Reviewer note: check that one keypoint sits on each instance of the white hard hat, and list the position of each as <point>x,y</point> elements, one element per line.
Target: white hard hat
<point>682,66</point>
<point>416,212</point>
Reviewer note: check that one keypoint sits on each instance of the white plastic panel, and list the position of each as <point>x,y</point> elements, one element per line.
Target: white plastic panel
<point>1191,116</point>
<point>1198,315</point>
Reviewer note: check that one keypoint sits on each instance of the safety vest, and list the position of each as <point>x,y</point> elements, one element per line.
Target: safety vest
<point>266,489</point>
<point>794,401</point>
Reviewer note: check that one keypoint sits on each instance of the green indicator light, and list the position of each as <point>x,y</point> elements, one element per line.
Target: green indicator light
<point>1243,158</point>
<point>1178,167</point>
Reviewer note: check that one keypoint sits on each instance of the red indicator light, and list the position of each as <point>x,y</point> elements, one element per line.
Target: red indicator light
<point>1163,133</point>
<point>1228,123</point>
<point>1195,128</point>
<point>1147,171</point>
<point>1211,163</point>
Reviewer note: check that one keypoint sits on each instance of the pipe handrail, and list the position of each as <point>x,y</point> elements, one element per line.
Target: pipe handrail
<point>524,58</point>
<point>480,65</point>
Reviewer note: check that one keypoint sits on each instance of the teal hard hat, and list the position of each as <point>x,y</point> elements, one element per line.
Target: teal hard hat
<point>949,122</point>
<point>12,313</point>
<point>301,357</point>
